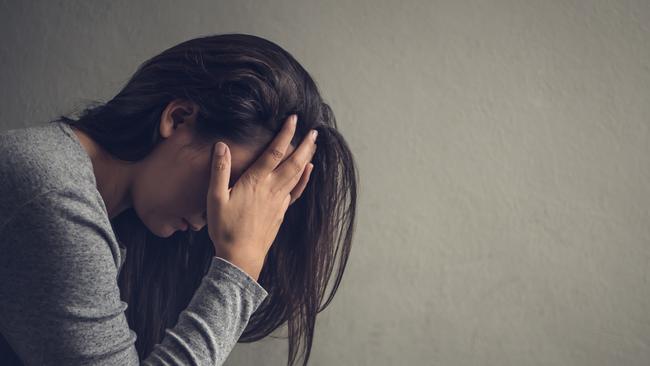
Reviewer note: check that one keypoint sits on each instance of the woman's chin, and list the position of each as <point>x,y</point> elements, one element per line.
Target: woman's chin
<point>172,230</point>
<point>167,229</point>
<point>165,232</point>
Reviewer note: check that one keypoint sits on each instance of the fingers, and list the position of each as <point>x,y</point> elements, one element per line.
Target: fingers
<point>288,173</point>
<point>273,155</point>
<point>300,187</point>
<point>220,173</point>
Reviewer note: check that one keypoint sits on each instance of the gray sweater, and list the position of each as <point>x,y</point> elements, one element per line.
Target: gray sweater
<point>60,260</point>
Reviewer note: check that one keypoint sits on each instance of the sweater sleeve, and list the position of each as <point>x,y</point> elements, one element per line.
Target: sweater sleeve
<point>60,301</point>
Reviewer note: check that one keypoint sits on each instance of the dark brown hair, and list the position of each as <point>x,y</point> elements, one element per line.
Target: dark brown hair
<point>245,87</point>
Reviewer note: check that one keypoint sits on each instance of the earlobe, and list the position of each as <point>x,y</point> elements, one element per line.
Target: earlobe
<point>165,129</point>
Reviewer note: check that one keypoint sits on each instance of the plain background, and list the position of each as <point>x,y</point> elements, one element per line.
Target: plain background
<point>503,150</point>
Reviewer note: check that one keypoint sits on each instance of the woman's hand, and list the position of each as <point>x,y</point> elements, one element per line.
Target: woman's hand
<point>244,221</point>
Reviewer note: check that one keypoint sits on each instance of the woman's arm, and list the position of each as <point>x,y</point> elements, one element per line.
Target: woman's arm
<point>60,302</point>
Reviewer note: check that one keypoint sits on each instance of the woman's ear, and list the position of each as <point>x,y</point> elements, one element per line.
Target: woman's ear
<point>178,111</point>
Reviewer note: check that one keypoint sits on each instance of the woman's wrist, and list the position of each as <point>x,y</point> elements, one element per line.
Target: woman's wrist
<point>251,267</point>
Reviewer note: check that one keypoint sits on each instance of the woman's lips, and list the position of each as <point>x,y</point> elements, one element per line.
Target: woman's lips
<point>186,225</point>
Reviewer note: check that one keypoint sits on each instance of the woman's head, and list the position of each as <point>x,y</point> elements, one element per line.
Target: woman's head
<point>170,184</point>
<point>239,89</point>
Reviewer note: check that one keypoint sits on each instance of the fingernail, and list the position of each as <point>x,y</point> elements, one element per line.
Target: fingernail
<point>221,149</point>
<point>294,120</point>
<point>314,134</point>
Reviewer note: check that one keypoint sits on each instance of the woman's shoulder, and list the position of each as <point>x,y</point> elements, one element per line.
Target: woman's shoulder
<point>38,159</point>
<point>49,189</point>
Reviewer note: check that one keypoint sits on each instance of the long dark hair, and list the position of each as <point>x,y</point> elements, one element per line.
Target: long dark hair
<point>245,87</point>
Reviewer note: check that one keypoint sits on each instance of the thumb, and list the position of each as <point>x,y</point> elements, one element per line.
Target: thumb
<point>220,172</point>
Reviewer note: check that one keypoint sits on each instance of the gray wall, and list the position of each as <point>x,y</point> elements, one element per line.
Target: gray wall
<point>504,154</point>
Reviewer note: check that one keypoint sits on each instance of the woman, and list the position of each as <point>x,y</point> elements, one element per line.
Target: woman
<point>269,216</point>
